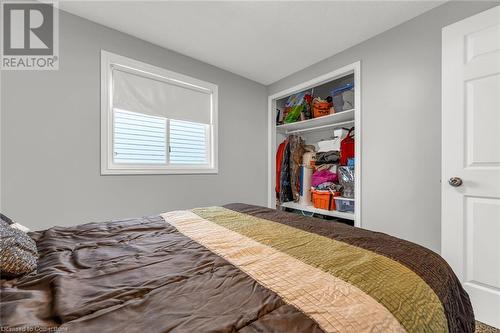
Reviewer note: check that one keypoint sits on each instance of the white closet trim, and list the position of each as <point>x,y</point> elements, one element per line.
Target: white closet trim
<point>354,68</point>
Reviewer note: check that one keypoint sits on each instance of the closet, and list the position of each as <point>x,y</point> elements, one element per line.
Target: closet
<point>321,129</point>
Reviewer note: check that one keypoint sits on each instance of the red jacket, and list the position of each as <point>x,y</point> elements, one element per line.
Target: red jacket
<point>279,159</point>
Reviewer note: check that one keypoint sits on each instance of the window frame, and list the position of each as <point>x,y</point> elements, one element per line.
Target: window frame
<point>109,61</point>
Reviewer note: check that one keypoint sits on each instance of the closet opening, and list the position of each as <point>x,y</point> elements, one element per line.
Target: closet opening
<point>315,147</point>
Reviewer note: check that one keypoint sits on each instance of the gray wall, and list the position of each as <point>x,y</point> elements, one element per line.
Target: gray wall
<point>49,181</point>
<point>401,122</point>
<point>50,141</point>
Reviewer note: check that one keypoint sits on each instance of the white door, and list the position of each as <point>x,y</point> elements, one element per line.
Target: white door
<point>471,154</point>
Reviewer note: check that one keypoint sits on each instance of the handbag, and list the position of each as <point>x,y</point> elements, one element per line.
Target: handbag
<point>347,147</point>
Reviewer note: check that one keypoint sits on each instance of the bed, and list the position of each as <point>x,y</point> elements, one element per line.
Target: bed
<point>236,268</point>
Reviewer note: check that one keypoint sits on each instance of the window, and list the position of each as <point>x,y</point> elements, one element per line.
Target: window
<point>188,143</point>
<point>139,138</point>
<point>155,121</point>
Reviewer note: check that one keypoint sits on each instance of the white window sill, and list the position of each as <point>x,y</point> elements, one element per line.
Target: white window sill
<point>108,172</point>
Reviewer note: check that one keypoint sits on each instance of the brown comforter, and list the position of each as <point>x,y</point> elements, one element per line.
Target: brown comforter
<point>239,268</point>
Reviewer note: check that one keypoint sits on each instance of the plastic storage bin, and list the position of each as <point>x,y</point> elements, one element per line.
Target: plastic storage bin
<point>344,204</point>
<point>343,98</point>
<point>333,205</point>
<point>324,199</point>
<point>321,199</point>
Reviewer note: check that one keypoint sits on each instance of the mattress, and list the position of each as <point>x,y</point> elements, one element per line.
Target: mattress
<point>237,268</point>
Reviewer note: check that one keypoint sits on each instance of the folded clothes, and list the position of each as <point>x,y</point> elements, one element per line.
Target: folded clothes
<point>331,156</point>
<point>324,186</point>
<point>329,186</point>
<point>323,176</point>
<point>329,167</point>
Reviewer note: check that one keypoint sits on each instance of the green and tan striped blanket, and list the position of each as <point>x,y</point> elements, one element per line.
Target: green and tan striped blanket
<point>237,268</point>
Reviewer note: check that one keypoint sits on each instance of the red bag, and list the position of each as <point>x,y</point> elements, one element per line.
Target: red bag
<point>347,147</point>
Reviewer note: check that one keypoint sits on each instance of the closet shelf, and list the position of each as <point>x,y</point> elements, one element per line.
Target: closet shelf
<point>343,118</point>
<point>312,209</point>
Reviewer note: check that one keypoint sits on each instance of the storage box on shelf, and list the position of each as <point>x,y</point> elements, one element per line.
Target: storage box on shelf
<point>324,199</point>
<point>343,97</point>
<point>321,199</point>
<point>345,205</point>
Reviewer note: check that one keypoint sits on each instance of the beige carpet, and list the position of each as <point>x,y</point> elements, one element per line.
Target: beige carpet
<point>483,328</point>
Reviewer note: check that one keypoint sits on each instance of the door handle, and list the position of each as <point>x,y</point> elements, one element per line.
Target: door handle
<point>455,181</point>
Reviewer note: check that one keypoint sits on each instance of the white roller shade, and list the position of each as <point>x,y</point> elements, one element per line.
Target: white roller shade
<point>158,97</point>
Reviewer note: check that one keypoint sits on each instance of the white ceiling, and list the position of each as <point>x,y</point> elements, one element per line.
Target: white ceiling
<point>263,41</point>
